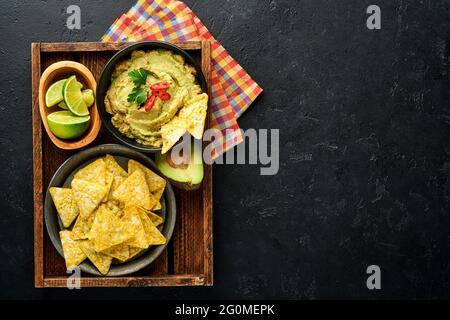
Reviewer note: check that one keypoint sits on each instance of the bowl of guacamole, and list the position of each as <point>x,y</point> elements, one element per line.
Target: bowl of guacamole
<point>144,89</point>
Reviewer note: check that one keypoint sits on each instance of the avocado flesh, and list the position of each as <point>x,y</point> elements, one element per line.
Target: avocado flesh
<point>186,176</point>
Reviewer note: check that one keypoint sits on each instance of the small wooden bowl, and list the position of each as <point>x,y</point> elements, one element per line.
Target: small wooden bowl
<point>61,70</point>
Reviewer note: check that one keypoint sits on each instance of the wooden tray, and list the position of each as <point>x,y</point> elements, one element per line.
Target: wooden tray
<point>188,260</point>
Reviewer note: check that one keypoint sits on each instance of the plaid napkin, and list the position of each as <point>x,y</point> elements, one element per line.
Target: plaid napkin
<point>232,89</point>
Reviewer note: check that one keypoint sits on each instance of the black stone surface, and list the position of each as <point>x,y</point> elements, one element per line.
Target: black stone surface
<point>364,149</point>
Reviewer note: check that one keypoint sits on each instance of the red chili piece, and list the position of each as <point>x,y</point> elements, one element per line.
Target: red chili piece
<point>150,103</point>
<point>159,89</point>
<point>163,85</point>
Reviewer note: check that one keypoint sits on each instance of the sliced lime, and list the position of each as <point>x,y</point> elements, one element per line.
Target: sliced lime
<point>54,94</point>
<point>62,105</point>
<point>74,98</point>
<point>88,97</point>
<point>66,125</point>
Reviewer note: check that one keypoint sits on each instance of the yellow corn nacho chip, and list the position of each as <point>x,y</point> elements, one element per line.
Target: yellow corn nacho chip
<point>120,252</point>
<point>157,220</point>
<point>117,172</point>
<point>65,205</point>
<point>71,249</point>
<point>131,217</point>
<point>114,207</point>
<point>108,230</point>
<point>157,206</point>
<point>154,236</point>
<point>134,252</point>
<point>87,195</point>
<point>195,113</point>
<point>101,261</point>
<point>134,191</point>
<point>93,172</point>
<point>158,195</point>
<point>155,182</point>
<point>82,226</point>
<point>114,167</point>
<point>109,179</point>
<point>172,131</point>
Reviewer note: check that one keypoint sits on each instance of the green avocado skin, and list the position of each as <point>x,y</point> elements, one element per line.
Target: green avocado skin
<point>189,178</point>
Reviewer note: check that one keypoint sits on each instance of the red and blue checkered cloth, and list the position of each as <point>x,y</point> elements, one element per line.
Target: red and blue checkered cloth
<point>232,89</point>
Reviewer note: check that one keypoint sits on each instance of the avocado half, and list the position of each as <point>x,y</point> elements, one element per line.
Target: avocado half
<point>187,175</point>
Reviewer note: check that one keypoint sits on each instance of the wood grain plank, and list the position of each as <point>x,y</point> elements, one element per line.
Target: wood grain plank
<point>159,267</point>
<point>94,61</point>
<point>104,46</point>
<point>172,280</point>
<point>37,169</point>
<point>207,188</point>
<point>188,235</point>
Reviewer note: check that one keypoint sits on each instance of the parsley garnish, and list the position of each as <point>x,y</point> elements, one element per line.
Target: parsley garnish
<point>138,76</point>
<point>138,94</point>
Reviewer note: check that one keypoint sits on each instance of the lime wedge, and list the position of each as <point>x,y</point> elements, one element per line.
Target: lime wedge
<point>88,97</point>
<point>65,125</point>
<point>54,94</point>
<point>74,98</point>
<point>62,105</point>
<point>80,85</point>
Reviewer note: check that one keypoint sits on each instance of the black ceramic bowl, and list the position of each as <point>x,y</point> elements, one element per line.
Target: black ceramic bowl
<point>63,177</point>
<point>105,80</point>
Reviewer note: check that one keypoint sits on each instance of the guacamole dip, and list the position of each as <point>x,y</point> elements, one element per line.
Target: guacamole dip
<point>144,124</point>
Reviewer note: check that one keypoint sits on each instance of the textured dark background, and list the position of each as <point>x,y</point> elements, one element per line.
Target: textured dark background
<point>365,155</point>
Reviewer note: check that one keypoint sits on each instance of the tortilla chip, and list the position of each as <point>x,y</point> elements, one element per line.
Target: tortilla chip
<point>114,207</point>
<point>158,195</point>
<point>114,167</point>
<point>155,182</point>
<point>172,131</point>
<point>93,172</point>
<point>109,179</point>
<point>108,230</point>
<point>157,206</point>
<point>134,252</point>
<point>82,226</point>
<point>134,191</point>
<point>154,236</point>
<point>120,252</point>
<point>117,172</point>
<point>65,205</point>
<point>101,261</point>
<point>157,220</point>
<point>71,249</point>
<point>194,112</point>
<point>87,195</point>
<point>132,218</point>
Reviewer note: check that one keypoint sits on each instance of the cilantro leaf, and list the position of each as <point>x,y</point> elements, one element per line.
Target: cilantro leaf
<point>138,76</point>
<point>138,95</point>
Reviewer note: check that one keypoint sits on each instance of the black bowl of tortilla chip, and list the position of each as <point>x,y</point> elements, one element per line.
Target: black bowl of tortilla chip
<point>141,88</point>
<point>107,211</point>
